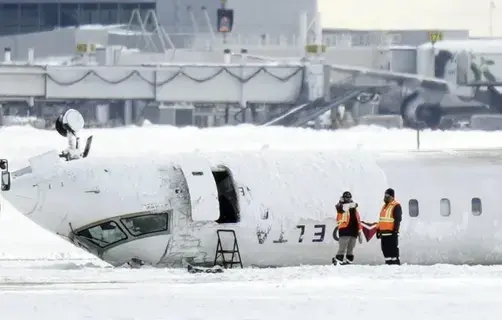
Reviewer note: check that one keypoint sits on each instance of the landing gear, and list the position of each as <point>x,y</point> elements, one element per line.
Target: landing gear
<point>68,125</point>
<point>71,122</point>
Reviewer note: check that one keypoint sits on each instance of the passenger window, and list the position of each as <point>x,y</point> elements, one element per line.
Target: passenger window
<point>103,234</point>
<point>146,223</point>
<point>413,208</point>
<point>444,207</point>
<point>476,208</point>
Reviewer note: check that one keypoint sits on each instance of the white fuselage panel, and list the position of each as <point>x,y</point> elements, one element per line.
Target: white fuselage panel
<point>286,204</point>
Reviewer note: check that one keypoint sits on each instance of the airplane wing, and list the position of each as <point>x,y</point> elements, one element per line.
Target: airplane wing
<point>423,96</point>
<point>409,80</point>
<point>402,79</point>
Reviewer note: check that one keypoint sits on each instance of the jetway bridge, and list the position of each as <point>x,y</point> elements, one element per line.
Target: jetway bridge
<point>218,83</point>
<point>299,116</point>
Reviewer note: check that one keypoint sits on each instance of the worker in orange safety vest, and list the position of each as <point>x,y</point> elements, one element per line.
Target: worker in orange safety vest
<point>349,229</point>
<point>388,227</point>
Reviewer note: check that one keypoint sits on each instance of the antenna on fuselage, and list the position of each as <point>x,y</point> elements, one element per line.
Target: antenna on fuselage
<point>68,125</point>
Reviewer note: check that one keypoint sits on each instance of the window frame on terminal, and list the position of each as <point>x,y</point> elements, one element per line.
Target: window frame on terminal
<point>447,202</point>
<point>27,17</point>
<point>413,203</point>
<point>476,202</point>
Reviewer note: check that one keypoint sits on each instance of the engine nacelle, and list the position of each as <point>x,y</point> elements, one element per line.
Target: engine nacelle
<point>417,112</point>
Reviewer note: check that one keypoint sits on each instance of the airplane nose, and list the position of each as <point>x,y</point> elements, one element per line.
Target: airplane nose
<point>23,194</point>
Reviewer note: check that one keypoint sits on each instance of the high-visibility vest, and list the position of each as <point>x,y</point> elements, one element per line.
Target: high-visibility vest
<point>343,219</point>
<point>386,221</point>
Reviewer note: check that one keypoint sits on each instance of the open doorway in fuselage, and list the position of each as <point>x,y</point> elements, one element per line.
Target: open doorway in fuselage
<point>227,196</point>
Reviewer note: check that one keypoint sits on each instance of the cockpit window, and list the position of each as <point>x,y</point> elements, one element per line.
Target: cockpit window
<point>103,234</point>
<point>144,224</point>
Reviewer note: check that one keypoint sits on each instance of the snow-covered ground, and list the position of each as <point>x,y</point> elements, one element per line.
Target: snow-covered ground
<point>43,277</point>
<point>72,291</point>
<point>19,142</point>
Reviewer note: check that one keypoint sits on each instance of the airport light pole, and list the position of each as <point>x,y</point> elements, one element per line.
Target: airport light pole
<point>420,125</point>
<point>418,138</point>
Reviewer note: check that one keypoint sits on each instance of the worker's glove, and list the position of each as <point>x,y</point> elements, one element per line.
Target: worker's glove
<point>378,235</point>
<point>395,233</point>
<point>348,206</point>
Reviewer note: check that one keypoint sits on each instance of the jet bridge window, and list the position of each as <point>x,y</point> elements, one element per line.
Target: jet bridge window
<point>476,208</point>
<point>413,207</point>
<point>104,234</point>
<point>445,207</point>
<point>146,223</point>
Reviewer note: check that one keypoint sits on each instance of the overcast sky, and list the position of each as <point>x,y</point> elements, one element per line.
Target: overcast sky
<point>413,14</point>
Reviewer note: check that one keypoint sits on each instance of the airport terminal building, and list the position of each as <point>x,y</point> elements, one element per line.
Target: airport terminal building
<point>43,15</point>
<point>52,32</point>
<point>176,16</point>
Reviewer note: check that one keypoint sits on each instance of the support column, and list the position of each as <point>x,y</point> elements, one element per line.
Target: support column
<point>31,56</point>
<point>102,113</point>
<point>327,82</point>
<point>302,40</point>
<point>315,65</point>
<point>127,112</point>
<point>243,102</point>
<point>7,56</point>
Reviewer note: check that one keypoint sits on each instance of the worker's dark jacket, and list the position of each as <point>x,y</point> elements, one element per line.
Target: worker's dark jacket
<point>352,230</point>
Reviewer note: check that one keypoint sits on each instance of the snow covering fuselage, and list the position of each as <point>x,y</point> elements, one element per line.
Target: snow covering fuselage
<point>163,211</point>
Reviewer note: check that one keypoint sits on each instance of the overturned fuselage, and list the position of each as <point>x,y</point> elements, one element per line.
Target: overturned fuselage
<point>280,205</point>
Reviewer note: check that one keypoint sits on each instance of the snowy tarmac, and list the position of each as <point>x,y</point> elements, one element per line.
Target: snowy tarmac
<point>43,277</point>
<point>79,290</point>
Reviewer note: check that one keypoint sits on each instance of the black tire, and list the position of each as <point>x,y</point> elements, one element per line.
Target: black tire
<point>60,127</point>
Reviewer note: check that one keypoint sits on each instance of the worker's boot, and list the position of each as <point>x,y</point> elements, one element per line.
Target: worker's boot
<point>393,261</point>
<point>350,259</point>
<point>338,259</point>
